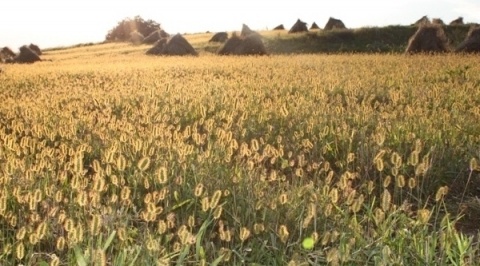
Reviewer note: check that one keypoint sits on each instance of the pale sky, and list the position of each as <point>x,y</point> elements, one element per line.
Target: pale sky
<point>53,23</point>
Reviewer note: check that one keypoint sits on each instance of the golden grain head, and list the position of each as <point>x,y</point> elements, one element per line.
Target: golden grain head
<point>20,251</point>
<point>423,216</point>
<point>215,199</point>
<point>412,182</point>
<point>283,233</point>
<point>244,234</point>
<point>198,190</point>
<point>334,195</point>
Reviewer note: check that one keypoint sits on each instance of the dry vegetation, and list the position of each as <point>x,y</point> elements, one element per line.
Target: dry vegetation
<point>114,157</point>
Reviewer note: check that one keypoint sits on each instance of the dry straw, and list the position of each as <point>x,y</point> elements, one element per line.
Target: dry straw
<point>428,39</point>
<point>26,55</point>
<point>334,23</point>
<point>299,26</point>
<point>219,37</point>
<point>314,26</point>
<point>457,22</point>
<point>176,45</point>
<point>471,44</point>
<point>422,21</point>
<point>247,45</point>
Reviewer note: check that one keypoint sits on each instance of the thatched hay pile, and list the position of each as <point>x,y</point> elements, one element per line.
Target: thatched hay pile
<point>246,31</point>
<point>219,37</point>
<point>35,48</point>
<point>438,21</point>
<point>249,45</point>
<point>428,39</point>
<point>457,22</point>
<point>279,27</point>
<point>136,37</point>
<point>157,48</point>
<point>155,36</point>
<point>176,45</point>
<point>334,23</point>
<point>422,21</point>
<point>314,26</point>
<point>26,55</point>
<point>6,54</point>
<point>471,44</point>
<point>299,26</point>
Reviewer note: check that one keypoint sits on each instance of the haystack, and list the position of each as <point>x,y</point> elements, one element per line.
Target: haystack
<point>279,27</point>
<point>176,45</point>
<point>249,45</point>
<point>35,48</point>
<point>6,54</point>
<point>155,36</point>
<point>157,48</point>
<point>428,39</point>
<point>438,21</point>
<point>299,26</point>
<point>26,55</point>
<point>252,45</point>
<point>231,45</point>
<point>136,37</point>
<point>471,44</point>
<point>422,21</point>
<point>246,31</point>
<point>219,37</point>
<point>457,22</point>
<point>334,23</point>
<point>314,26</point>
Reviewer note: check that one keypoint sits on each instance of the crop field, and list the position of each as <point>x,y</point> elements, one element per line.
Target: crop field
<point>112,157</point>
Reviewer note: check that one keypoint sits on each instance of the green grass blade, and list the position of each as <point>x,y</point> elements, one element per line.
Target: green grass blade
<point>109,240</point>
<point>79,257</point>
<point>183,255</point>
<point>135,258</point>
<point>217,261</point>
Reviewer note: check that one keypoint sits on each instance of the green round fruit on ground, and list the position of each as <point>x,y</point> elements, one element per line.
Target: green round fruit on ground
<point>308,243</point>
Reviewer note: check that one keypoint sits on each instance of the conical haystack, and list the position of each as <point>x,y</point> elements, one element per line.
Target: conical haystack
<point>428,39</point>
<point>438,21</point>
<point>246,31</point>
<point>334,23</point>
<point>219,37</point>
<point>155,36</point>
<point>26,55</point>
<point>230,46</point>
<point>279,27</point>
<point>249,45</point>
<point>299,26</point>
<point>457,22</point>
<point>176,45</point>
<point>471,44</point>
<point>6,54</point>
<point>136,37</point>
<point>157,48</point>
<point>314,26</point>
<point>252,45</point>
<point>35,48</point>
<point>422,21</point>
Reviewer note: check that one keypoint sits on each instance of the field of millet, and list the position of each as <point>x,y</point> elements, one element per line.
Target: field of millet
<point>111,157</point>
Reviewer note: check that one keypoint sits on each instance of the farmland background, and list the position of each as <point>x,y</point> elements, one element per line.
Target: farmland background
<point>114,157</point>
